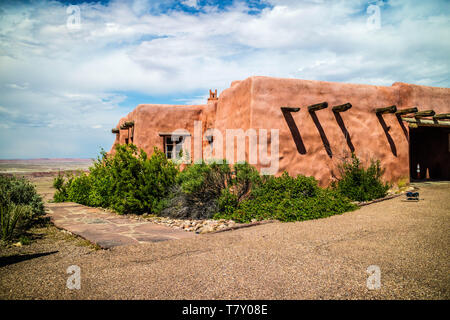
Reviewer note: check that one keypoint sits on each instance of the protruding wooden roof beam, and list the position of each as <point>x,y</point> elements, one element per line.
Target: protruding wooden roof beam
<point>318,106</point>
<point>126,125</point>
<point>390,109</point>
<point>342,107</point>
<point>442,116</point>
<point>115,130</point>
<point>425,113</point>
<point>290,109</point>
<point>406,111</point>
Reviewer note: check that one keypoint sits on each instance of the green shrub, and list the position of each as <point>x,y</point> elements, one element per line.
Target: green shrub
<point>287,198</point>
<point>359,183</point>
<point>20,206</point>
<point>61,188</point>
<point>203,189</point>
<point>128,181</point>
<point>21,192</point>
<point>79,188</point>
<point>10,216</point>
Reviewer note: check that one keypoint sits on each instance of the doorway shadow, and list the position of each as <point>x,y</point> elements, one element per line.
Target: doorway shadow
<point>323,136</point>
<point>294,131</point>
<point>344,131</point>
<point>388,136</point>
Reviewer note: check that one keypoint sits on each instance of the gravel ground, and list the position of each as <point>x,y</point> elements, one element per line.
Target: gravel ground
<point>318,259</point>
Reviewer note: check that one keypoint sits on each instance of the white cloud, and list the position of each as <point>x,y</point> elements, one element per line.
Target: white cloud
<point>55,77</point>
<point>190,3</point>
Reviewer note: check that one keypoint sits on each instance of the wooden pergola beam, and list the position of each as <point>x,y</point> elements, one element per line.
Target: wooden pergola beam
<point>406,111</point>
<point>115,130</point>
<point>318,106</point>
<point>390,109</point>
<point>425,113</point>
<point>342,107</point>
<point>414,122</point>
<point>290,109</point>
<point>442,116</point>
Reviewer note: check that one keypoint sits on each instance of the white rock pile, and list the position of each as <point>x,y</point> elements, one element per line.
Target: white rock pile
<point>197,226</point>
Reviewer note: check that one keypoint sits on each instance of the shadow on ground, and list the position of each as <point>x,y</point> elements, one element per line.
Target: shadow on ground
<point>5,261</point>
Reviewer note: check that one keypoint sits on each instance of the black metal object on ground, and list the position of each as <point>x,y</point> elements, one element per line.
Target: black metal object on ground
<point>412,196</point>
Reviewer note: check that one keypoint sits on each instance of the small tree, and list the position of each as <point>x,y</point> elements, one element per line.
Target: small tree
<point>359,183</point>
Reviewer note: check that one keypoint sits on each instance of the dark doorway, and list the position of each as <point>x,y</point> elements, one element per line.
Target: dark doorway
<point>430,148</point>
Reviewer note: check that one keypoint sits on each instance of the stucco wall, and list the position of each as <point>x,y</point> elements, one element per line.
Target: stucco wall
<point>309,144</point>
<point>152,119</point>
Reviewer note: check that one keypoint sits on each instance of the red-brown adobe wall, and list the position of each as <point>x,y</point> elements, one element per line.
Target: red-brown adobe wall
<point>384,138</point>
<point>152,119</point>
<point>256,101</point>
<point>323,131</point>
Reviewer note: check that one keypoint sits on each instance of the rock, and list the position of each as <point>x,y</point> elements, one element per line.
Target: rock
<point>207,229</point>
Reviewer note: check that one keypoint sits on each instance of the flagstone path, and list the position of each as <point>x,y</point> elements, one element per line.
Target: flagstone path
<point>108,229</point>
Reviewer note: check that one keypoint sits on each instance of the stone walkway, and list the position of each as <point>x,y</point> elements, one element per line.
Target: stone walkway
<point>107,229</point>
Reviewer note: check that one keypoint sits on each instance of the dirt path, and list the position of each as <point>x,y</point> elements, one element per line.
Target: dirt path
<point>319,259</point>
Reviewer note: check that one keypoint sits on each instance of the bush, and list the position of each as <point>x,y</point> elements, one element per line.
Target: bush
<point>20,206</point>
<point>128,182</point>
<point>287,198</point>
<point>10,216</point>
<point>202,190</point>
<point>358,183</point>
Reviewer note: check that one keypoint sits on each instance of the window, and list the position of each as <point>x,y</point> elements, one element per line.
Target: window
<point>173,147</point>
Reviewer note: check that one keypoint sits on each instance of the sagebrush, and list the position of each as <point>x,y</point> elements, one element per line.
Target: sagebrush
<point>202,190</point>
<point>359,183</point>
<point>20,206</point>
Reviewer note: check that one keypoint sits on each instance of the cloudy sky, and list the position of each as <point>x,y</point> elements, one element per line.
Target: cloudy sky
<point>65,82</point>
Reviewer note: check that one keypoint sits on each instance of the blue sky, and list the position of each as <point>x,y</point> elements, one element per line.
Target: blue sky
<point>62,89</point>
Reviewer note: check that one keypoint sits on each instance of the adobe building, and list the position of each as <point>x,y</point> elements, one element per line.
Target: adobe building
<point>317,124</point>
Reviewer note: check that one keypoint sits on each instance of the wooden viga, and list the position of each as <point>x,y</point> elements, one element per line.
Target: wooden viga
<point>403,112</point>
<point>127,125</point>
<point>342,107</point>
<point>390,109</point>
<point>424,114</point>
<point>318,106</point>
<point>290,109</point>
<point>442,116</point>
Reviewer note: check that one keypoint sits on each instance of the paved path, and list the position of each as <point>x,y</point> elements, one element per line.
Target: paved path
<point>107,229</point>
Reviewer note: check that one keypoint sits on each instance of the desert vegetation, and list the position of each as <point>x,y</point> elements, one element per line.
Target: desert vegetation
<point>20,207</point>
<point>128,182</point>
<point>359,183</point>
<point>131,182</point>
